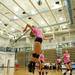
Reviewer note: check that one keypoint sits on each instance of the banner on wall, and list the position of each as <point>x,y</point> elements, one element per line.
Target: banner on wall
<point>59,49</point>
<point>28,49</point>
<point>7,49</point>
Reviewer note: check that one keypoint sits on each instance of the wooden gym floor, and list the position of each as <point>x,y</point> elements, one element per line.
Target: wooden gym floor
<point>22,71</point>
<point>25,72</point>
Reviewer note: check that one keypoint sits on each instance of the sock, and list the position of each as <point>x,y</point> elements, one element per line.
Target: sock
<point>70,71</point>
<point>39,73</point>
<point>46,73</point>
<point>66,72</point>
<point>42,73</point>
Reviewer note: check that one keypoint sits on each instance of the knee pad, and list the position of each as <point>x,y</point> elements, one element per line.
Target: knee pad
<point>67,69</point>
<point>41,61</point>
<point>31,66</point>
<point>71,70</point>
<point>46,73</point>
<point>42,73</point>
<point>39,73</point>
<point>46,67</point>
<point>35,55</point>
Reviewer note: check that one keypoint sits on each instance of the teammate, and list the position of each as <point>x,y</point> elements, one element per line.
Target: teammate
<point>58,63</point>
<point>41,63</point>
<point>37,46</point>
<point>67,62</point>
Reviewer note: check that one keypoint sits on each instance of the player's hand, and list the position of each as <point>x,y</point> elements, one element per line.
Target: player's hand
<point>24,30</point>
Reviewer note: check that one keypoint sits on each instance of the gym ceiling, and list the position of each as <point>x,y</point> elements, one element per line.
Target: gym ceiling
<point>49,15</point>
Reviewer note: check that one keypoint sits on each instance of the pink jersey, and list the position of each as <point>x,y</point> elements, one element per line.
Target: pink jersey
<point>58,60</point>
<point>66,58</point>
<point>37,32</point>
<point>41,57</point>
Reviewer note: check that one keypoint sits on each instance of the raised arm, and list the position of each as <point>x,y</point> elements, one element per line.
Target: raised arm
<point>27,27</point>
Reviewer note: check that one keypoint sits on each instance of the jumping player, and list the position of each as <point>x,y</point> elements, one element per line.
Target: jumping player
<point>37,46</point>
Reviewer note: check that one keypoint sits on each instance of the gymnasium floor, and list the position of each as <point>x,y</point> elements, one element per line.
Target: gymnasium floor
<point>51,72</point>
<point>25,72</point>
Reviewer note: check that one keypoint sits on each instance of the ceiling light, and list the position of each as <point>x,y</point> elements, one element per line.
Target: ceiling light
<point>64,26</point>
<point>33,12</point>
<point>61,18</point>
<point>1,32</point>
<point>56,6</point>
<point>12,29</point>
<point>15,17</point>
<point>10,36</point>
<point>0,22</point>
